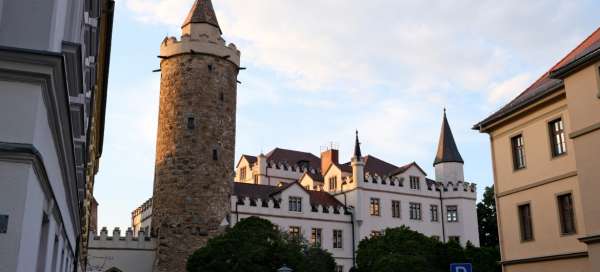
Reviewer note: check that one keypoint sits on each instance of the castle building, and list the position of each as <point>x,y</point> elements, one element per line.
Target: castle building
<point>335,205</point>
<point>197,193</point>
<point>54,62</point>
<point>545,145</point>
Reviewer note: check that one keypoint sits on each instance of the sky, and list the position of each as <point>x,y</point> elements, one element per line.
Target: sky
<point>319,70</point>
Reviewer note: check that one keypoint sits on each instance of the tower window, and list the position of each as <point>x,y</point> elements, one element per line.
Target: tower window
<point>191,123</point>
<point>222,97</point>
<point>215,154</point>
<point>210,67</point>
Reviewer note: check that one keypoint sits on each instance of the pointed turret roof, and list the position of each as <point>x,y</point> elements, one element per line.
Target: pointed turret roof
<point>357,153</point>
<point>447,150</point>
<point>202,12</point>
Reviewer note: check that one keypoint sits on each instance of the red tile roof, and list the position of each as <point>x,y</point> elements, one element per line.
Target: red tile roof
<point>293,157</point>
<point>545,84</point>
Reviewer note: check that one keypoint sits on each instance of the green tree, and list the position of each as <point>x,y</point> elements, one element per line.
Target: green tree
<point>255,245</point>
<point>486,218</point>
<point>401,249</point>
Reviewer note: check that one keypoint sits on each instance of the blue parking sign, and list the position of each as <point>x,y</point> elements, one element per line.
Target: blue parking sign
<point>461,267</point>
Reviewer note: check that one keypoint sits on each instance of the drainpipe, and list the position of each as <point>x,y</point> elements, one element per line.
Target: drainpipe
<point>442,217</point>
<point>351,209</point>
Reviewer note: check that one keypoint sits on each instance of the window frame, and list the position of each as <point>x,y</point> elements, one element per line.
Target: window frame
<point>396,209</point>
<point>552,134</point>
<point>560,214</point>
<point>337,241</point>
<point>414,180</point>
<point>417,211</point>
<point>454,238</point>
<point>375,206</point>
<point>314,234</point>
<point>295,201</point>
<point>243,173</point>
<point>518,150</point>
<point>294,234</point>
<point>333,183</point>
<point>521,223</point>
<point>449,218</point>
<point>435,208</point>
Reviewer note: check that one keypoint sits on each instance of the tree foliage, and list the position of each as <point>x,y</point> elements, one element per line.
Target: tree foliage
<point>255,245</point>
<point>486,218</point>
<point>401,249</point>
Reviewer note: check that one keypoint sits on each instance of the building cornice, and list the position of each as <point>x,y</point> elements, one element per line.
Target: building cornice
<point>27,153</point>
<point>573,255</point>
<point>537,184</point>
<point>46,69</point>
<point>576,65</point>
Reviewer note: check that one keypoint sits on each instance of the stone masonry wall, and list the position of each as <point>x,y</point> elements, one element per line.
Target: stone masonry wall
<point>194,155</point>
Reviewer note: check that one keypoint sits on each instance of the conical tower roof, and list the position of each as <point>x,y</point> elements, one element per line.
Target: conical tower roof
<point>202,12</point>
<point>447,150</point>
<point>357,153</point>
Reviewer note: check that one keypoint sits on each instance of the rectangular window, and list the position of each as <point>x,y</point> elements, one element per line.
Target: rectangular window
<point>518,152</point>
<point>374,207</point>
<point>525,222</point>
<point>337,238</point>
<point>434,213</point>
<point>415,183</point>
<point>315,237</point>
<point>339,268</point>
<point>557,137</point>
<point>452,213</point>
<point>243,173</point>
<point>332,183</point>
<point>255,179</point>
<point>566,214</point>
<point>395,209</point>
<point>454,238</point>
<point>295,232</point>
<point>435,237</point>
<point>295,204</point>
<point>415,211</point>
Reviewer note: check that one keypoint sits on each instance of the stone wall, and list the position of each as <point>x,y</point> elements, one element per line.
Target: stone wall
<point>194,154</point>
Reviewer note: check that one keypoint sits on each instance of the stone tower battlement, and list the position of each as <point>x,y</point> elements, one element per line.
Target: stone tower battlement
<point>205,39</point>
<point>196,138</point>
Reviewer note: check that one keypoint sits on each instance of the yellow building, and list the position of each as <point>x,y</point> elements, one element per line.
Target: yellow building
<point>545,148</point>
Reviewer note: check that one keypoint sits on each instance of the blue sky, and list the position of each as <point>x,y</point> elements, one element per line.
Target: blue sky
<point>318,70</point>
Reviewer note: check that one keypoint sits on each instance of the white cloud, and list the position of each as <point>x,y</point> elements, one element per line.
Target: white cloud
<point>418,46</point>
<point>503,91</point>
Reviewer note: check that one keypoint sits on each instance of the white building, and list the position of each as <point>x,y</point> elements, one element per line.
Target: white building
<point>54,58</point>
<point>338,204</point>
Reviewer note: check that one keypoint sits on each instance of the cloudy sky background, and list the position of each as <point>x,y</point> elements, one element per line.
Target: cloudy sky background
<point>318,70</point>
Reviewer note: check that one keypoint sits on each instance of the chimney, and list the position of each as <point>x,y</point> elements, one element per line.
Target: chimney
<point>327,158</point>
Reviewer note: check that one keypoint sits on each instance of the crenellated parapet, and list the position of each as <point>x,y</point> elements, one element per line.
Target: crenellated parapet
<point>118,241</point>
<point>273,207</point>
<point>200,39</point>
<point>285,166</point>
<point>428,187</point>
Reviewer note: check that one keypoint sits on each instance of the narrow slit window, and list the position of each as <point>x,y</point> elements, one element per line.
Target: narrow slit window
<point>221,97</point>
<point>191,123</point>
<point>215,154</point>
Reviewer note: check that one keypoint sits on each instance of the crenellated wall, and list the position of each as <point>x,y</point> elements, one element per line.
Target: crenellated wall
<point>127,253</point>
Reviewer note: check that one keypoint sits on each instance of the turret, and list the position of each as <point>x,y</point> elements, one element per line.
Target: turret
<point>448,163</point>
<point>357,163</point>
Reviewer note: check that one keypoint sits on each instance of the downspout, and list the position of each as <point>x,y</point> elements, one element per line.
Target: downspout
<point>352,224</point>
<point>442,217</point>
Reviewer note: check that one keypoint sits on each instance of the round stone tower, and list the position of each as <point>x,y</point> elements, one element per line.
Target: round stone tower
<point>196,138</point>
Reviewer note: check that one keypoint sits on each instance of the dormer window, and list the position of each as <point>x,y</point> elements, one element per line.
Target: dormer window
<point>295,204</point>
<point>415,183</point>
<point>333,183</point>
